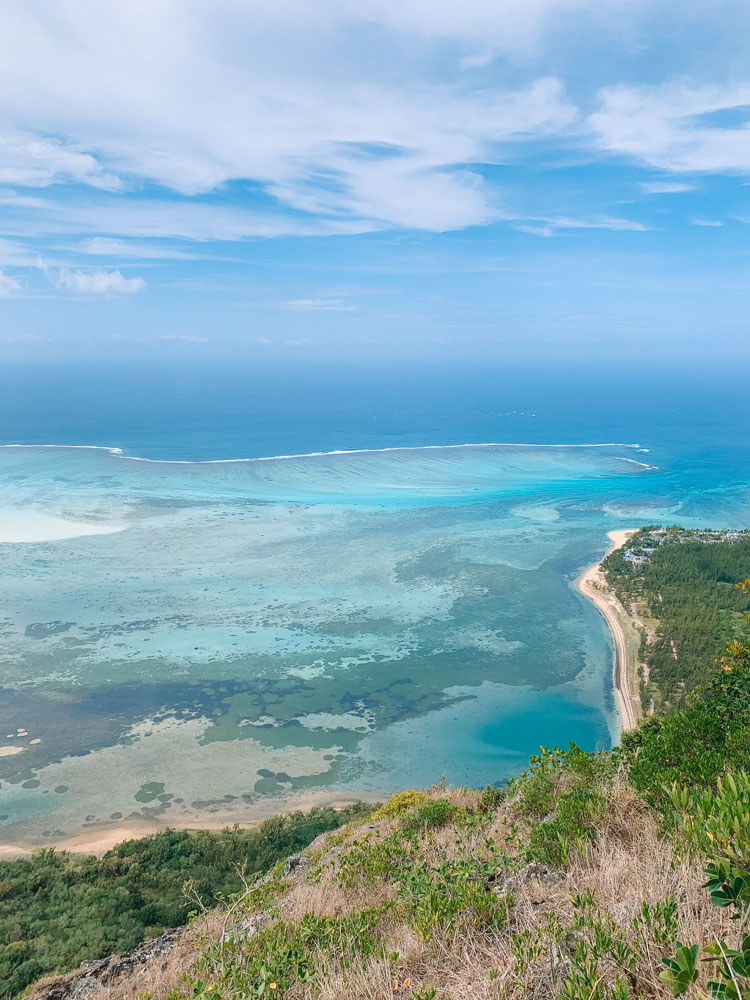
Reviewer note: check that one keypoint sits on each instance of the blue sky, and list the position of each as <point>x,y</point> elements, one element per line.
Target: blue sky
<point>391,178</point>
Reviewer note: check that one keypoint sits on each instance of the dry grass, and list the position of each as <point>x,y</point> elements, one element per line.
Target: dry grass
<point>629,863</point>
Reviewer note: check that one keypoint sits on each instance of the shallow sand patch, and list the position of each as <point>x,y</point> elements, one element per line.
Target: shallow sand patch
<point>33,526</point>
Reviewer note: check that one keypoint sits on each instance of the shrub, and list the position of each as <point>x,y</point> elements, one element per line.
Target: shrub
<point>400,803</point>
<point>717,824</point>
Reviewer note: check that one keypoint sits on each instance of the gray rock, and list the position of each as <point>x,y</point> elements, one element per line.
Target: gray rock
<point>248,927</point>
<point>294,862</point>
<point>90,979</point>
<point>533,871</point>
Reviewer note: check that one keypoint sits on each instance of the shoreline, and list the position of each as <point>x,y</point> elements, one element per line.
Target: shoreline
<point>105,837</point>
<point>593,585</point>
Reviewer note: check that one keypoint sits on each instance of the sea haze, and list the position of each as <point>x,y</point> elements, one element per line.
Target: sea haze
<point>197,636</point>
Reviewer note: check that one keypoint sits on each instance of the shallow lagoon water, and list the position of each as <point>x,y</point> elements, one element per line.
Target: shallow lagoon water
<point>258,633</point>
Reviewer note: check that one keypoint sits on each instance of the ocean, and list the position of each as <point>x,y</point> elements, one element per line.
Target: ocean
<point>244,588</point>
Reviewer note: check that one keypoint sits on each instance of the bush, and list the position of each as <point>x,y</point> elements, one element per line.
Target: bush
<point>697,744</point>
<point>57,910</point>
<point>717,824</point>
<point>400,803</point>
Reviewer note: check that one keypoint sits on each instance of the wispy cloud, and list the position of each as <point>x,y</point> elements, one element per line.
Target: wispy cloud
<point>168,218</point>
<point>665,187</point>
<point>21,338</point>
<point>674,126</point>
<point>320,305</point>
<point>710,223</point>
<point>15,255</point>
<point>104,283</point>
<point>186,338</point>
<point>32,159</point>
<point>340,143</point>
<point>103,246</point>
<point>547,226</point>
<point>9,285</point>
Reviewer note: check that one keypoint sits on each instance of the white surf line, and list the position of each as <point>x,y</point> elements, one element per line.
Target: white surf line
<point>119,453</point>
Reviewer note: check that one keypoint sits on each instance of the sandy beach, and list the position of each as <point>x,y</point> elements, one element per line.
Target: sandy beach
<point>593,585</point>
<point>106,836</point>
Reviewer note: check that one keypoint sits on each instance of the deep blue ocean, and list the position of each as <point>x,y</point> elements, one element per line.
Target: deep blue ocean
<point>237,410</point>
<point>195,638</point>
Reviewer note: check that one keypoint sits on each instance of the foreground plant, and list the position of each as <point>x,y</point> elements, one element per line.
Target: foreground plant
<point>717,824</point>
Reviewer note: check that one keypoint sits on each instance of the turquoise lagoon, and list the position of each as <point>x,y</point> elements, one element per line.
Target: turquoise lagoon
<point>244,636</point>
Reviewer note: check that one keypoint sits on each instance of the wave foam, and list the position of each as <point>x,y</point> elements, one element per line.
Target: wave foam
<point>119,453</point>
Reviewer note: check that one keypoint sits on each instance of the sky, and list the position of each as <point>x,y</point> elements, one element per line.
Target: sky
<point>393,179</point>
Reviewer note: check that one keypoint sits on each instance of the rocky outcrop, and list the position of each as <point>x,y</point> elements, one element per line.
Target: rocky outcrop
<point>91,978</point>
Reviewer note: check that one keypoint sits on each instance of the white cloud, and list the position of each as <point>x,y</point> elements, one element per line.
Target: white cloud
<point>32,159</point>
<point>301,342</point>
<point>272,95</point>
<point>320,305</point>
<point>514,26</point>
<point>294,97</point>
<point>8,285</point>
<point>186,338</point>
<point>547,226</point>
<point>476,61</point>
<point>262,340</point>
<point>674,126</point>
<point>15,255</point>
<point>711,223</point>
<point>602,222</point>
<point>21,338</point>
<point>665,187</point>
<point>106,283</point>
<point>169,218</point>
<point>534,229</point>
<point>103,246</point>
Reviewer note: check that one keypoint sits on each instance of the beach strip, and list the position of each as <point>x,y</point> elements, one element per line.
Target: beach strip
<point>593,585</point>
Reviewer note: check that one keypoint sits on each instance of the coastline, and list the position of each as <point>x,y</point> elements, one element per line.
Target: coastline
<point>593,585</point>
<point>104,837</point>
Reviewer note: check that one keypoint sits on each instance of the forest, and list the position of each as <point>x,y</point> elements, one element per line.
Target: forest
<point>58,909</point>
<point>686,581</point>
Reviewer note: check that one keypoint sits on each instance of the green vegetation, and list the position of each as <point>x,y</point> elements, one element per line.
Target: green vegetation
<point>584,879</point>
<point>686,581</point>
<point>57,909</point>
<point>716,824</point>
<point>452,869</point>
<point>564,794</point>
<point>618,875</point>
<point>709,736</point>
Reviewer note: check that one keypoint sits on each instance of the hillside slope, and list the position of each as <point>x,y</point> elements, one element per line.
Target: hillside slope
<point>584,879</point>
<point>565,884</point>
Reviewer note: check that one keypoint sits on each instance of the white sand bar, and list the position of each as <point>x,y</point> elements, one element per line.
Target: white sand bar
<point>32,526</point>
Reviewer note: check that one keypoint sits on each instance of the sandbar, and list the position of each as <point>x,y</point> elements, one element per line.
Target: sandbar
<point>18,525</point>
